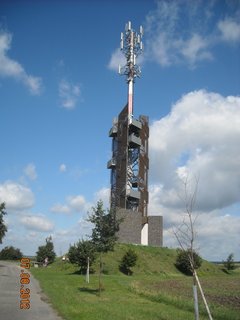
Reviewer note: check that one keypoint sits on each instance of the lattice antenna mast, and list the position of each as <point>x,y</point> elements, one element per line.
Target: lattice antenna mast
<point>131,46</point>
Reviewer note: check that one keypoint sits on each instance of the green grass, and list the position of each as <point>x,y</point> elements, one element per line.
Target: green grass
<point>222,293</point>
<point>151,260</point>
<point>156,291</point>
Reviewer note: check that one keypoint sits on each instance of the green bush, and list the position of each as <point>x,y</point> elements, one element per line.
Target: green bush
<point>128,261</point>
<point>229,263</point>
<point>79,254</point>
<point>183,261</point>
<point>10,253</point>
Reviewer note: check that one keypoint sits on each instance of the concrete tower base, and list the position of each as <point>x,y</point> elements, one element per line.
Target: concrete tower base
<point>136,229</point>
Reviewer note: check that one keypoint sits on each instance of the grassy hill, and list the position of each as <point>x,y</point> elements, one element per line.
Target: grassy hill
<point>151,261</point>
<point>155,291</point>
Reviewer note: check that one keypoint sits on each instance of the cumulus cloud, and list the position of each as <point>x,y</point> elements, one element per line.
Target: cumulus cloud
<point>199,138</point>
<point>73,204</point>
<point>30,171</point>
<point>37,223</point>
<point>117,58</point>
<point>217,232</point>
<point>77,203</point>
<point>104,195</point>
<point>69,94</point>
<point>16,196</point>
<point>201,135</point>
<point>13,69</point>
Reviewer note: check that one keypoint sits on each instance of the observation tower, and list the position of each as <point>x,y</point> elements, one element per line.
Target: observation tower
<point>130,163</point>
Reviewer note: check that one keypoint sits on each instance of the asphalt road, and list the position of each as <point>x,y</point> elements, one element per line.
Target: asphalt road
<point>10,296</point>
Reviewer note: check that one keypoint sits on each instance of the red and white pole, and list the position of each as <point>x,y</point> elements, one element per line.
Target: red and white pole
<point>131,45</point>
<point>130,77</point>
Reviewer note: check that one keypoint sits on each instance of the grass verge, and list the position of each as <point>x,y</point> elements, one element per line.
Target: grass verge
<point>156,291</point>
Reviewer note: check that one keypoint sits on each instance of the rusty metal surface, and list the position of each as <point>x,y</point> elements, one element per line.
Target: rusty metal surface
<point>126,155</point>
<point>143,166</point>
<point>118,174</point>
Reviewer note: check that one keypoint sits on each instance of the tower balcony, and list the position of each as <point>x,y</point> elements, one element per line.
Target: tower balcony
<point>133,194</point>
<point>135,125</point>
<point>111,163</point>
<point>113,131</point>
<point>134,141</point>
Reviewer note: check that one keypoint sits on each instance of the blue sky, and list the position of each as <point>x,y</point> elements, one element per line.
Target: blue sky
<point>59,91</point>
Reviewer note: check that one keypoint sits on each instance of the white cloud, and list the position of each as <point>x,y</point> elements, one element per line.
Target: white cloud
<point>183,32</point>
<point>200,137</point>
<point>13,69</point>
<point>64,237</point>
<point>30,171</point>
<point>217,231</point>
<point>230,30</point>
<point>37,223</point>
<point>69,94</point>
<point>63,168</point>
<point>104,195</point>
<point>77,203</point>
<point>117,59</point>
<point>59,208</point>
<point>73,204</point>
<point>16,196</point>
<point>196,49</point>
<point>167,42</point>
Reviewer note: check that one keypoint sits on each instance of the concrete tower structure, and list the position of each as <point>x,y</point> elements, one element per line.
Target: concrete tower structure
<point>130,163</point>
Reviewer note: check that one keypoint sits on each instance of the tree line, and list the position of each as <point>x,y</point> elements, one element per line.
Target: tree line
<point>84,252</point>
<point>103,238</point>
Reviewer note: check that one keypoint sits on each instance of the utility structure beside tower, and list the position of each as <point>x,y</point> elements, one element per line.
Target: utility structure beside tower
<point>130,163</point>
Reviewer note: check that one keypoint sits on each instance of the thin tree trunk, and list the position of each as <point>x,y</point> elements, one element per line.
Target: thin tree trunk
<point>185,235</point>
<point>87,274</point>
<point>195,296</point>
<point>100,275</point>
<point>203,297</point>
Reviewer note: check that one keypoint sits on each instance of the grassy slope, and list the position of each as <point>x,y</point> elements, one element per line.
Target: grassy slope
<point>156,291</point>
<point>152,260</point>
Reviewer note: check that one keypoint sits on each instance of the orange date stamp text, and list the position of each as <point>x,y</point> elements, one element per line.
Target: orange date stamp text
<point>24,282</point>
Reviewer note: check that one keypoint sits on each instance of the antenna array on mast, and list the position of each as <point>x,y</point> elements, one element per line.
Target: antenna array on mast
<point>131,45</point>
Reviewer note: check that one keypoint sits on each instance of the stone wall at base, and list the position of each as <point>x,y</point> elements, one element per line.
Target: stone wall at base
<point>155,231</point>
<point>130,227</point>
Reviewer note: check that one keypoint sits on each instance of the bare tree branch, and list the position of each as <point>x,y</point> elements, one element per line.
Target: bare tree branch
<point>185,235</point>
